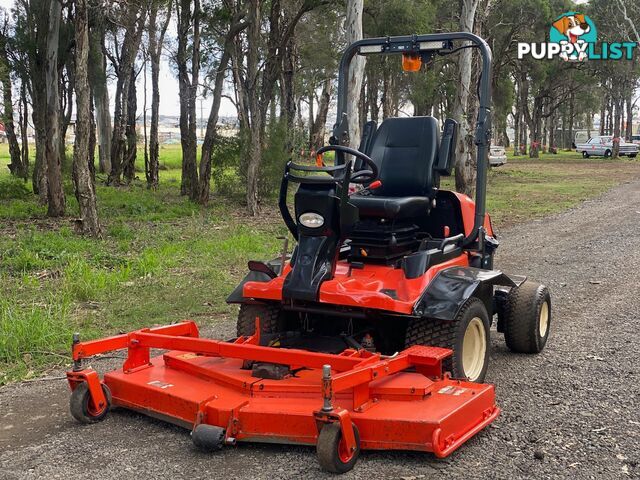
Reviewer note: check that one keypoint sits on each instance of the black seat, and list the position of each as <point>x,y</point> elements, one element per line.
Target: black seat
<point>405,150</point>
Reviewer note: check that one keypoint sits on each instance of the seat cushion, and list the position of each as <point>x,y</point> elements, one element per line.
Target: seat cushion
<point>405,150</point>
<point>390,207</point>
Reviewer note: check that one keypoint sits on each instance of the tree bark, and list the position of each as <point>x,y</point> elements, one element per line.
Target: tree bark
<point>318,126</point>
<point>24,127</point>
<point>56,199</point>
<point>134,26</point>
<point>464,176</point>
<point>156,42</point>
<point>84,184</point>
<point>353,26</point>
<point>188,86</point>
<point>131,153</point>
<point>16,166</point>
<point>98,75</point>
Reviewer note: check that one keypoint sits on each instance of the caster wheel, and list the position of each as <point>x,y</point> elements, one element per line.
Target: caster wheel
<point>208,438</point>
<point>332,451</point>
<point>82,408</point>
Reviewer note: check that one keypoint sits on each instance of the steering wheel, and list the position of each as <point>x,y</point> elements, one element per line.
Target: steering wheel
<point>361,176</point>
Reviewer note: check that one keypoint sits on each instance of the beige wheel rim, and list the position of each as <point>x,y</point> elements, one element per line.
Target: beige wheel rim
<point>474,348</point>
<point>543,323</point>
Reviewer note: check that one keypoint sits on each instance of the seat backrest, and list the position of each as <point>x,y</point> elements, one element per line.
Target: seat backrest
<point>405,150</point>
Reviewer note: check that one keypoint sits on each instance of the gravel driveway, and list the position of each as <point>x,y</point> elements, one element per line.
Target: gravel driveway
<point>571,412</point>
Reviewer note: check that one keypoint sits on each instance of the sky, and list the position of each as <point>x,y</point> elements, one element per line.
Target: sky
<point>169,98</point>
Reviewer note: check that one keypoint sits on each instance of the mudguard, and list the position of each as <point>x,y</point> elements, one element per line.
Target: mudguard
<point>253,276</point>
<point>452,287</point>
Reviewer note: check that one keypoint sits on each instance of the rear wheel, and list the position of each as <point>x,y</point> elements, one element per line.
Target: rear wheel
<point>271,320</point>
<point>467,335</point>
<point>585,154</point>
<point>607,154</point>
<point>633,155</point>
<point>527,318</point>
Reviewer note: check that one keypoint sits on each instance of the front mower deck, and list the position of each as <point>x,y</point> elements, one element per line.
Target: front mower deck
<point>205,382</point>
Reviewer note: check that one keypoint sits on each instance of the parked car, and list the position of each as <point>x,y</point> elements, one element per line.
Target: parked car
<point>603,147</point>
<point>497,156</point>
<point>635,139</point>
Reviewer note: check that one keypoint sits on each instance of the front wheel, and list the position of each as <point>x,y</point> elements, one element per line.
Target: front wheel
<point>82,408</point>
<point>633,155</point>
<point>333,454</point>
<point>467,335</point>
<point>528,318</point>
<point>270,316</point>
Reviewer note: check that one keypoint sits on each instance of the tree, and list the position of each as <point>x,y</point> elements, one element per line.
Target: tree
<point>188,23</point>
<point>256,90</point>
<point>17,166</point>
<point>464,172</point>
<point>98,82</point>
<point>83,180</point>
<point>133,20</point>
<point>353,26</point>
<point>159,8</point>
<point>236,25</point>
<point>56,199</point>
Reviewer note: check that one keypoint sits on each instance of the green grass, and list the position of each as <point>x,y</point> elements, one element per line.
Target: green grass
<point>163,258</point>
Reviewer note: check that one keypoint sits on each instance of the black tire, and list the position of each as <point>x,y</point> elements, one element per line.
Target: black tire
<point>208,438</point>
<point>585,154</point>
<point>633,155</point>
<point>525,328</point>
<point>451,334</point>
<point>271,320</point>
<point>80,407</point>
<point>331,454</point>
<point>607,154</point>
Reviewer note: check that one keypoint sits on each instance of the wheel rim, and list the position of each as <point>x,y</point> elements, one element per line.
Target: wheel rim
<point>474,347</point>
<point>543,323</point>
<point>344,453</point>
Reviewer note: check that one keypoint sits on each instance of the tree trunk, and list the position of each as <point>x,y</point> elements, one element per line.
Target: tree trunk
<point>155,51</point>
<point>464,180</point>
<point>134,26</point>
<point>629,122</point>
<point>188,89</point>
<point>24,128</point>
<point>98,76</point>
<point>353,26</point>
<point>204,186</point>
<point>85,188</point>
<point>318,126</point>
<point>16,166</point>
<point>56,200</point>
<point>255,122</point>
<point>129,167</point>
<point>288,96</point>
<point>617,119</point>
<point>571,119</point>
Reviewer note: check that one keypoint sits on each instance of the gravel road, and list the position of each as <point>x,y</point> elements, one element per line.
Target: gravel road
<point>571,412</point>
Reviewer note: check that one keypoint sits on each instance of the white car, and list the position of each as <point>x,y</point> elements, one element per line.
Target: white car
<point>497,156</point>
<point>602,146</point>
<point>635,139</point>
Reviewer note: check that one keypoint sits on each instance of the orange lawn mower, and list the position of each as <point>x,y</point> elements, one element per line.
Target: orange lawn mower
<point>374,333</point>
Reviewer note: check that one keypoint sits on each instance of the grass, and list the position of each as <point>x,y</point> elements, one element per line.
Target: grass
<point>163,258</point>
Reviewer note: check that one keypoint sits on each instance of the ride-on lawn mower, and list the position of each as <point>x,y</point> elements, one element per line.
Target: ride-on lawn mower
<point>374,332</point>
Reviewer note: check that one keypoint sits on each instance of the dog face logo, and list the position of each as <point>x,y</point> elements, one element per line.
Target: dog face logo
<point>573,31</point>
<point>573,26</point>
